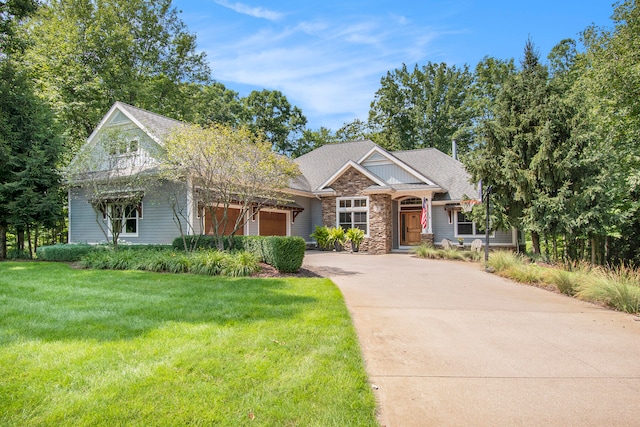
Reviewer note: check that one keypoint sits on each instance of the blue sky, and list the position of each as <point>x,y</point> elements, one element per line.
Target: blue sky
<point>327,57</point>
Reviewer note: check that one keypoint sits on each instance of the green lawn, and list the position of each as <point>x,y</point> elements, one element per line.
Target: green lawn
<point>88,347</point>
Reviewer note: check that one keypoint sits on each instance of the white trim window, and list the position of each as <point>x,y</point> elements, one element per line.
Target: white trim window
<point>125,147</point>
<point>353,212</point>
<point>126,217</point>
<point>465,227</point>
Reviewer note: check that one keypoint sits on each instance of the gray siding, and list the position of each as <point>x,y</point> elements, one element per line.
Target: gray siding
<point>83,227</point>
<point>155,227</point>
<point>443,230</point>
<point>303,225</point>
<point>393,174</point>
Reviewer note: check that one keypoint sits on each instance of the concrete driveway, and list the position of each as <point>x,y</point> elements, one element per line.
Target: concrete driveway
<point>447,344</point>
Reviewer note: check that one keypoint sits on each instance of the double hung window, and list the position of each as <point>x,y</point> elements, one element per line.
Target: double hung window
<point>353,212</point>
<point>124,218</point>
<point>466,227</point>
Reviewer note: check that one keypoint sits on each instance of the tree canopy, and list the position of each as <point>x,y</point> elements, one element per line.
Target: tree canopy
<point>87,54</point>
<point>228,167</point>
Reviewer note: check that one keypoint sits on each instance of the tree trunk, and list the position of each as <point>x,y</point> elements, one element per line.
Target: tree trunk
<point>36,236</point>
<point>20,240</point>
<point>29,242</point>
<point>593,250</point>
<point>555,247</point>
<point>3,241</point>
<point>535,239</point>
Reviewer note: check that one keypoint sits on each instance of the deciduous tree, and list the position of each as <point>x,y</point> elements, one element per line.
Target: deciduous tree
<point>228,167</point>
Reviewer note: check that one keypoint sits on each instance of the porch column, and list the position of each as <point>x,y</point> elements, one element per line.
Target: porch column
<point>190,219</point>
<point>429,210</point>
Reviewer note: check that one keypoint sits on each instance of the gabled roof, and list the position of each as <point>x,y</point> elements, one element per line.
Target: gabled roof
<point>449,173</point>
<point>352,165</point>
<point>155,125</point>
<point>391,158</point>
<point>433,169</point>
<point>320,164</point>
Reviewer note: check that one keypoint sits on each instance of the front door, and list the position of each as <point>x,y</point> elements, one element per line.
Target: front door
<point>410,228</point>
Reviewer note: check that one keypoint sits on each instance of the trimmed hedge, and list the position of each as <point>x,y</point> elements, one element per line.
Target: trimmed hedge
<point>72,252</point>
<point>284,253</point>
<point>65,252</point>
<point>204,242</point>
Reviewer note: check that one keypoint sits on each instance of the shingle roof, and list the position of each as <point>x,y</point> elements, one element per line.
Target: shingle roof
<point>442,169</point>
<point>318,165</point>
<point>155,125</point>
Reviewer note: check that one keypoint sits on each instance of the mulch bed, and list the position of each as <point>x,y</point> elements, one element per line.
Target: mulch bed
<point>267,270</point>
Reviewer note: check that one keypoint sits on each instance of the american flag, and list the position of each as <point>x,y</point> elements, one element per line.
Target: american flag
<point>423,217</point>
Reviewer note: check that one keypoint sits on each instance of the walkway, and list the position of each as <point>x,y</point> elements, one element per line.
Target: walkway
<point>447,344</point>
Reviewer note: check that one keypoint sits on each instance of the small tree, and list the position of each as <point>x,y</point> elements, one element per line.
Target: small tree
<point>228,167</point>
<point>114,172</point>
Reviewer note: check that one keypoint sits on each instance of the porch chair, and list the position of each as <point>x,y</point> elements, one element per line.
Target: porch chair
<point>476,245</point>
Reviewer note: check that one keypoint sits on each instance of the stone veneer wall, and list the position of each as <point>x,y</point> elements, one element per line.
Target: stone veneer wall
<point>351,184</point>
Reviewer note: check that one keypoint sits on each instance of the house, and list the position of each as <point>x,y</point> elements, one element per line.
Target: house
<point>352,184</point>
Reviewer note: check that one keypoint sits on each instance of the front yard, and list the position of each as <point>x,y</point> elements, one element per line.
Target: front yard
<point>87,347</point>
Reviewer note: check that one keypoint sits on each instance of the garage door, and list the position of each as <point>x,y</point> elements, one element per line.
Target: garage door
<point>273,223</point>
<point>232,215</point>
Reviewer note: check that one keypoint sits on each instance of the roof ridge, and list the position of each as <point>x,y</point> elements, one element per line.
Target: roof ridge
<point>129,106</point>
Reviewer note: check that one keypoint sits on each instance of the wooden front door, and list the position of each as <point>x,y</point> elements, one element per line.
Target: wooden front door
<point>410,228</point>
<point>273,223</point>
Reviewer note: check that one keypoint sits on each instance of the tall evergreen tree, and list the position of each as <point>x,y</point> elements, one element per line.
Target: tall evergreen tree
<point>29,155</point>
<point>522,154</point>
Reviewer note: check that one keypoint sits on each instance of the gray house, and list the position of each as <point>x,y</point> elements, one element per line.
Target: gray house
<point>398,199</point>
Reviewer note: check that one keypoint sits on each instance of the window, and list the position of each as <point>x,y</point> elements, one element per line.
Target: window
<point>353,212</point>
<point>466,227</point>
<point>124,147</point>
<point>125,218</point>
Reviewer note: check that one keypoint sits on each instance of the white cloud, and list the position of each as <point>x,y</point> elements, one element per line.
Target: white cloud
<point>256,12</point>
<point>329,69</point>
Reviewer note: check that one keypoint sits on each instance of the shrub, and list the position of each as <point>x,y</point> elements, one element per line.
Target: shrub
<point>524,273</point>
<point>18,254</point>
<point>425,251</point>
<point>336,237</point>
<point>239,264</point>
<point>99,260</point>
<point>252,244</point>
<point>503,260</point>
<point>284,253</point>
<point>453,254</point>
<point>355,236</point>
<point>207,262</point>
<point>196,242</point>
<point>64,252</point>
<point>321,236</point>
<point>565,281</point>
<point>618,288</point>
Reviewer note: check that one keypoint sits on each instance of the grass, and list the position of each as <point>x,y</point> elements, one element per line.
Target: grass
<point>618,288</point>
<point>426,251</point>
<point>207,262</point>
<point>90,347</point>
